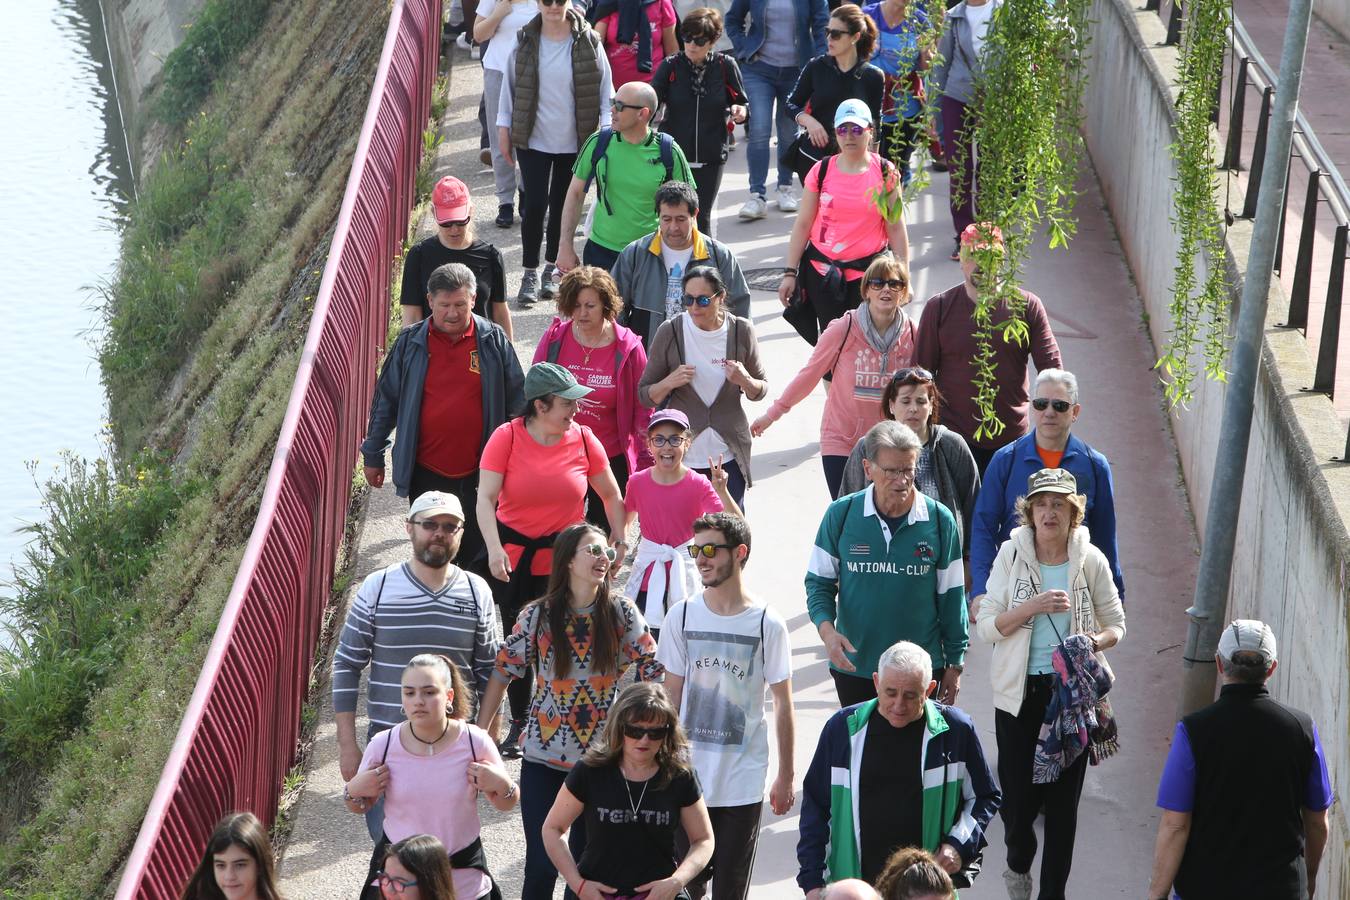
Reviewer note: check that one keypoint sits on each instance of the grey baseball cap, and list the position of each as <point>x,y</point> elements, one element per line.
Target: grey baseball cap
<point>1248,634</point>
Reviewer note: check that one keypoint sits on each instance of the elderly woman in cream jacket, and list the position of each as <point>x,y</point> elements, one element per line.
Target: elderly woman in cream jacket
<point>1048,582</point>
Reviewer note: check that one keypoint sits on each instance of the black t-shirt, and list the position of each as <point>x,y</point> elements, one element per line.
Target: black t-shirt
<point>630,825</point>
<point>483,259</point>
<point>890,793</point>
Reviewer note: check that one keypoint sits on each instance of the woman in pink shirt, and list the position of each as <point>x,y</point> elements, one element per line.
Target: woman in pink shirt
<point>863,349</point>
<point>430,770</point>
<point>637,35</point>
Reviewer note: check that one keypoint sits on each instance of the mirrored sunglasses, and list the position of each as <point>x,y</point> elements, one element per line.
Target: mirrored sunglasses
<point>708,550</point>
<point>848,128</point>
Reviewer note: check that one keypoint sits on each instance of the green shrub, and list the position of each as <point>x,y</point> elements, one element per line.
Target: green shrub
<point>223,28</point>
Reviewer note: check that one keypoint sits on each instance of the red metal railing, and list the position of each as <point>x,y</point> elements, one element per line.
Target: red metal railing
<point>237,738</point>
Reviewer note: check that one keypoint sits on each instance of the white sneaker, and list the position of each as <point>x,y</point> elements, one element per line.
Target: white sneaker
<point>1018,884</point>
<point>754,208</point>
<point>786,201</point>
<point>463,41</point>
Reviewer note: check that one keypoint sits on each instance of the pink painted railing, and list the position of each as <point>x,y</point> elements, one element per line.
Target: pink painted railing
<point>237,738</point>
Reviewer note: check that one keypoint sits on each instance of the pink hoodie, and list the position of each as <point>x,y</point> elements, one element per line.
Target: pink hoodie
<point>853,404</point>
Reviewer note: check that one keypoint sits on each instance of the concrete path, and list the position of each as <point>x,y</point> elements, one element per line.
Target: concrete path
<point>1097,318</point>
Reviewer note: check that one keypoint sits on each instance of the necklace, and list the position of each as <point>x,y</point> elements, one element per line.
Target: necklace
<point>431,745</point>
<point>587,350</point>
<point>629,788</point>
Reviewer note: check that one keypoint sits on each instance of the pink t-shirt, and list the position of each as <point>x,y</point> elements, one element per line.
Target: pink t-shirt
<point>623,58</point>
<point>848,224</point>
<point>432,795</point>
<point>667,511</point>
<point>543,488</point>
<point>596,368</point>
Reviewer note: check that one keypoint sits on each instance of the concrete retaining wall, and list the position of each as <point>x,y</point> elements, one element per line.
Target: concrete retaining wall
<point>1335,13</point>
<point>1292,545</point>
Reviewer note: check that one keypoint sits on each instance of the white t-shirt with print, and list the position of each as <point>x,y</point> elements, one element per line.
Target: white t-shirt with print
<point>676,263</point>
<point>706,351</point>
<point>727,662</point>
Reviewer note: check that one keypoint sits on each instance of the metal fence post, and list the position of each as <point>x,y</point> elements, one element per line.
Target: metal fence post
<point>1232,154</point>
<point>1258,156</point>
<point>1298,295</point>
<point>1174,25</point>
<point>1325,380</point>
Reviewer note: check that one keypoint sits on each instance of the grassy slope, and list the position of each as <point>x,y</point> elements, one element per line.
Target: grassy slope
<point>292,107</point>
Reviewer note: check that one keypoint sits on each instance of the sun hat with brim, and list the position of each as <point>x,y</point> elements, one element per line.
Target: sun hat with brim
<point>854,111</point>
<point>1052,481</point>
<point>549,378</point>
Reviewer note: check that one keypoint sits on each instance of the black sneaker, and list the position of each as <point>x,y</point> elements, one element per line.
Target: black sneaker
<point>510,747</point>
<point>956,250</point>
<point>506,215</point>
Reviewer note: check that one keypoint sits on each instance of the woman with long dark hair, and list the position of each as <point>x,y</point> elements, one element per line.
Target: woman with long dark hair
<point>641,767</point>
<point>581,638</point>
<point>237,863</point>
<point>417,868</point>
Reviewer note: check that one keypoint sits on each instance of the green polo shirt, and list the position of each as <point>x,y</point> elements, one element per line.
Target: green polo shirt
<point>629,175</point>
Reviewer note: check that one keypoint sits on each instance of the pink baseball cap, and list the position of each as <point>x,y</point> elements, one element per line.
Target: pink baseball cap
<point>450,200</point>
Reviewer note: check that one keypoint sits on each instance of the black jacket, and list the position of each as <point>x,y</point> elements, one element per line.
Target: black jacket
<point>697,119</point>
<point>823,86</point>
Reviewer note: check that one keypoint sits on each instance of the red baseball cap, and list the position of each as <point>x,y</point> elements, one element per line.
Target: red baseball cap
<point>450,200</point>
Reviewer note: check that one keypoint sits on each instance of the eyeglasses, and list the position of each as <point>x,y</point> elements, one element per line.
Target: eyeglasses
<point>708,550</point>
<point>703,300</point>
<point>661,440</point>
<point>848,128</point>
<point>599,550</point>
<point>456,223</point>
<point>697,40</point>
<point>619,106</point>
<point>894,284</point>
<point>909,372</point>
<point>393,883</point>
<point>637,732</point>
<point>894,474</point>
<point>836,34</point>
<point>1040,403</point>
<point>450,528</point>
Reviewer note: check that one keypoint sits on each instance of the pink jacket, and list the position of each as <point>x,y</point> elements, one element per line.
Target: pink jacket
<point>853,404</point>
<point>633,415</point>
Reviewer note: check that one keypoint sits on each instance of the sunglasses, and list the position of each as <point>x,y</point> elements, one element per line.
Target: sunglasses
<point>837,34</point>
<point>918,372</point>
<point>697,40</point>
<point>619,106</point>
<point>552,2</point>
<point>894,284</point>
<point>703,300</point>
<point>661,440</point>
<point>848,128</point>
<point>456,223</point>
<point>708,550</point>
<point>430,527</point>
<point>637,732</point>
<point>1040,403</point>
<point>393,883</point>
<point>599,550</point>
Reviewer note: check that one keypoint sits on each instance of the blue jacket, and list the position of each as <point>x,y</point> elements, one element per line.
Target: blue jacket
<point>398,395</point>
<point>1006,479</point>
<point>812,17</point>
<point>959,794</point>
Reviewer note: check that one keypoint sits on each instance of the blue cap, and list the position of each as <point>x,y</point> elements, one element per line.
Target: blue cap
<point>853,111</point>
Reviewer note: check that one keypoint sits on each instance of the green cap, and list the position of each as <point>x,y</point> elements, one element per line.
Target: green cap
<point>1052,481</point>
<point>549,378</point>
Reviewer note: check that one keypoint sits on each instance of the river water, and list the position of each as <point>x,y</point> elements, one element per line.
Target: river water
<point>63,191</point>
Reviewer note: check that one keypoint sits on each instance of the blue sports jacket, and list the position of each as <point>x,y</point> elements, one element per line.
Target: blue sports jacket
<point>812,16</point>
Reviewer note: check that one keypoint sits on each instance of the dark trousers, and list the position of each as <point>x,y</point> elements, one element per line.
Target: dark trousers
<point>834,473</point>
<point>898,140</point>
<point>595,508</point>
<point>735,838</point>
<point>510,604</point>
<point>958,146</point>
<point>707,181</point>
<point>472,551</point>
<point>855,689</point>
<point>735,481</point>
<point>1022,800</point>
<point>544,178</point>
<point>594,254</point>
<point>827,308</point>
<point>539,786</point>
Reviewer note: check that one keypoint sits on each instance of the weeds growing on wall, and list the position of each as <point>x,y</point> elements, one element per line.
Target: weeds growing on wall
<point>1199,310</point>
<point>221,30</point>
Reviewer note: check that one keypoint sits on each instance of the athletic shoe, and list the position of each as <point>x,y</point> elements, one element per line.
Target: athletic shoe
<point>754,208</point>
<point>956,250</point>
<point>510,748</point>
<point>529,287</point>
<point>1018,883</point>
<point>506,215</point>
<point>463,41</point>
<point>731,140</point>
<point>939,164</point>
<point>485,156</point>
<point>787,202</point>
<point>548,283</point>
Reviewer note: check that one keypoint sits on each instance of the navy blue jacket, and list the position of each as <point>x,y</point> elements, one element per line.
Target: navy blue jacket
<point>1006,479</point>
<point>812,16</point>
<point>398,395</point>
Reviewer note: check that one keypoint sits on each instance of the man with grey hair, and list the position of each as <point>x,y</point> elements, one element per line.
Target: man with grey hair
<point>447,383</point>
<point>1245,789</point>
<point>1050,445</point>
<point>886,566</point>
<point>910,770</point>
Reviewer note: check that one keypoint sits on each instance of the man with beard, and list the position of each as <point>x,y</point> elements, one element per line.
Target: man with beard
<point>424,605</point>
<point>886,567</point>
<point>720,648</point>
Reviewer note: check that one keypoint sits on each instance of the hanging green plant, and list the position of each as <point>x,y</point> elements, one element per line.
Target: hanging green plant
<point>924,20</point>
<point>1199,310</point>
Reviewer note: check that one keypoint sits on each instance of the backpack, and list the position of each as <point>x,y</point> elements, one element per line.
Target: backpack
<point>601,146</point>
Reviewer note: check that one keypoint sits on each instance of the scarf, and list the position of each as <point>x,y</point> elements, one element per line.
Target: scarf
<point>1079,717</point>
<point>633,23</point>
<point>696,76</point>
<point>882,343</point>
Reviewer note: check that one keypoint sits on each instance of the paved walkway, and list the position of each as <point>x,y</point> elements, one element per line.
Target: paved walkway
<point>1097,318</point>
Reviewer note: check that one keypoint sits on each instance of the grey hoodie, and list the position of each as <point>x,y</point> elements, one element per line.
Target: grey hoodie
<point>961,66</point>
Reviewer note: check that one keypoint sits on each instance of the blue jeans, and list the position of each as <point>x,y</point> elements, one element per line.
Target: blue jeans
<point>539,786</point>
<point>765,84</point>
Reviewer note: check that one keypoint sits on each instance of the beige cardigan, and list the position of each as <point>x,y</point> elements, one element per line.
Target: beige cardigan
<point>726,415</point>
<point>1094,606</point>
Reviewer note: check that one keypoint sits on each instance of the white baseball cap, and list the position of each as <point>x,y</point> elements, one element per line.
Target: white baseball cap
<point>436,503</point>
<point>1247,634</point>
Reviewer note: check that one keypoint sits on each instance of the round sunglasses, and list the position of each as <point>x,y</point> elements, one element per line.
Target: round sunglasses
<point>599,550</point>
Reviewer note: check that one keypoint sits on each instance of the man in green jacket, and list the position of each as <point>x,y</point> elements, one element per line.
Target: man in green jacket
<point>886,567</point>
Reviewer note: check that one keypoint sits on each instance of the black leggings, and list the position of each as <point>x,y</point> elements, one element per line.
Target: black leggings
<point>595,508</point>
<point>898,140</point>
<point>707,181</point>
<point>544,178</point>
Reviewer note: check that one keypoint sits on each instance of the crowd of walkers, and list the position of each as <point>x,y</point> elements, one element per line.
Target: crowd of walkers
<point>638,708</point>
